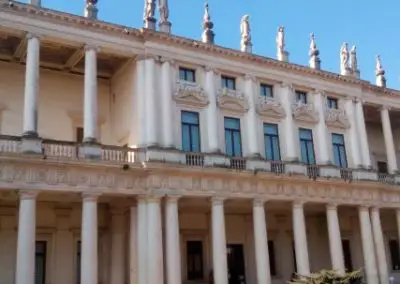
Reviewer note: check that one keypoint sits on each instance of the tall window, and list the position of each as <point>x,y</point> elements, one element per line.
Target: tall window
<point>271,141</point>
<point>266,90</point>
<point>301,97</point>
<point>40,262</point>
<point>190,131</point>
<point>228,82</point>
<point>339,150</point>
<point>348,263</point>
<point>271,253</point>
<point>307,146</point>
<point>394,254</point>
<point>78,262</point>
<point>332,103</point>
<point>79,134</point>
<point>382,167</point>
<point>194,260</point>
<point>233,142</point>
<point>186,74</point>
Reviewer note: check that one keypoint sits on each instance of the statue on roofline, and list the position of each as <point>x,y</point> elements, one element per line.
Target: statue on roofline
<point>149,9</point>
<point>280,39</point>
<point>344,57</point>
<point>164,11</point>
<point>245,30</point>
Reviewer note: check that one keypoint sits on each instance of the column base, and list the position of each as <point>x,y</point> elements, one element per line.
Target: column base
<point>157,154</point>
<point>258,165</point>
<point>165,27</point>
<point>329,171</point>
<point>150,23</point>
<point>295,169</point>
<point>365,175</point>
<point>216,160</point>
<point>90,151</point>
<point>31,143</point>
<point>283,56</point>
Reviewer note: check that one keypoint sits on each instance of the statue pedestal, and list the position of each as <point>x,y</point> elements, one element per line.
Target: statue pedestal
<point>248,48</point>
<point>91,12</point>
<point>150,23</point>
<point>283,56</point>
<point>381,81</point>
<point>315,63</point>
<point>346,72</point>
<point>165,27</point>
<point>356,73</point>
<point>208,36</point>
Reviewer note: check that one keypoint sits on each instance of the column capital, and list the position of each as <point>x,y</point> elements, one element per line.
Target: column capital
<point>298,203</point>
<point>358,100</point>
<point>259,201</point>
<point>154,198</point>
<point>171,61</point>
<point>210,68</point>
<point>89,46</point>
<point>90,196</point>
<point>375,209</point>
<point>385,108</point>
<point>172,198</point>
<point>363,208</point>
<point>250,77</point>
<point>31,35</point>
<point>28,194</point>
<point>318,92</point>
<point>332,206</point>
<point>218,200</point>
<point>287,85</point>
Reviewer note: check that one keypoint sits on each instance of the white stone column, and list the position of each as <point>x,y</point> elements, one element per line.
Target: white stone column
<point>172,234</point>
<point>117,246</point>
<point>166,102</point>
<point>389,142</point>
<point>155,265</point>
<point>251,117</point>
<point>151,102</point>
<point>140,105</point>
<point>90,95</point>
<point>25,266</point>
<point>300,239</point>
<point>142,240</point>
<point>32,72</point>
<point>335,240</point>
<point>219,241</point>
<point>261,243</point>
<point>362,134</point>
<point>379,245</point>
<point>212,111</point>
<point>353,134</point>
<point>63,236</point>
<point>368,245</point>
<point>323,143</point>
<point>133,246</point>
<point>89,253</point>
<point>290,134</point>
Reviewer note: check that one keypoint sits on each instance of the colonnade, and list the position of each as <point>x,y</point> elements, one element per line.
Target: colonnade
<point>146,241</point>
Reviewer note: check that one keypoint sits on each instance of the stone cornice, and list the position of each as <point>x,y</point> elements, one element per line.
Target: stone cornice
<point>81,22</point>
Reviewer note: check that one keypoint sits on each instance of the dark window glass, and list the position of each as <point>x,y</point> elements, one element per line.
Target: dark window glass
<point>271,252</point>
<point>382,167</point>
<point>228,82</point>
<point>301,97</point>
<point>194,260</point>
<point>271,141</point>
<point>78,262</point>
<point>332,103</point>
<point>187,74</point>
<point>79,134</point>
<point>339,150</point>
<point>233,142</point>
<point>394,254</point>
<point>266,90</point>
<point>40,262</point>
<point>190,131</point>
<point>348,263</point>
<point>307,146</point>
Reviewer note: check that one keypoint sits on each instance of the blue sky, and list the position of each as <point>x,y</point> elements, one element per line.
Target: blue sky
<point>371,25</point>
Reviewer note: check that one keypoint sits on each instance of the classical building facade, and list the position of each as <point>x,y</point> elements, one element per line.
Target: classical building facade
<point>137,156</point>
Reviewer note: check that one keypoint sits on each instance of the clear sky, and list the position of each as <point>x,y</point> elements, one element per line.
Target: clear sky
<point>372,25</point>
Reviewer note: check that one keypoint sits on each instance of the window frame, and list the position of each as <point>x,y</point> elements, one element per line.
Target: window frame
<point>232,132</point>
<point>225,78</point>
<point>339,147</point>
<point>332,103</point>
<point>190,126</point>
<point>185,71</point>
<point>396,246</point>
<point>264,86</point>
<point>307,141</point>
<point>271,137</point>
<point>201,273</point>
<point>301,94</point>
<point>272,258</point>
<point>44,256</point>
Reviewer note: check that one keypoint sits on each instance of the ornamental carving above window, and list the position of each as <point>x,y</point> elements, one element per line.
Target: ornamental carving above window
<point>232,100</point>
<point>337,118</point>
<point>269,107</point>
<point>305,113</point>
<point>190,94</point>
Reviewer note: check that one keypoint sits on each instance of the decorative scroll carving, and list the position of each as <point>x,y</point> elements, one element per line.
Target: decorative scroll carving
<point>337,118</point>
<point>232,100</point>
<point>269,107</point>
<point>305,112</point>
<point>191,94</point>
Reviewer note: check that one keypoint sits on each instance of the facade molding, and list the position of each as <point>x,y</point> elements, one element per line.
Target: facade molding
<point>232,101</point>
<point>305,113</point>
<point>337,118</point>
<point>270,108</point>
<point>190,94</point>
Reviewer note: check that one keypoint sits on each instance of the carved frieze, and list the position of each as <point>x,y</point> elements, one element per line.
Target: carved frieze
<point>190,94</point>
<point>232,100</point>
<point>269,107</point>
<point>337,118</point>
<point>305,113</point>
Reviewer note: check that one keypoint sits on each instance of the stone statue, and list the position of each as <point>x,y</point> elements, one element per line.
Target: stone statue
<point>149,9</point>
<point>164,11</point>
<point>208,34</point>
<point>315,61</point>
<point>313,44</point>
<point>344,58</point>
<point>206,17</point>
<point>280,40</point>
<point>91,9</point>
<point>245,29</point>
<point>353,59</point>
<point>379,67</point>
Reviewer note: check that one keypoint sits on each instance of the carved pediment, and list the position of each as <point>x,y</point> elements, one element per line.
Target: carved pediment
<point>269,107</point>
<point>232,100</point>
<point>305,113</point>
<point>337,118</point>
<point>191,94</point>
